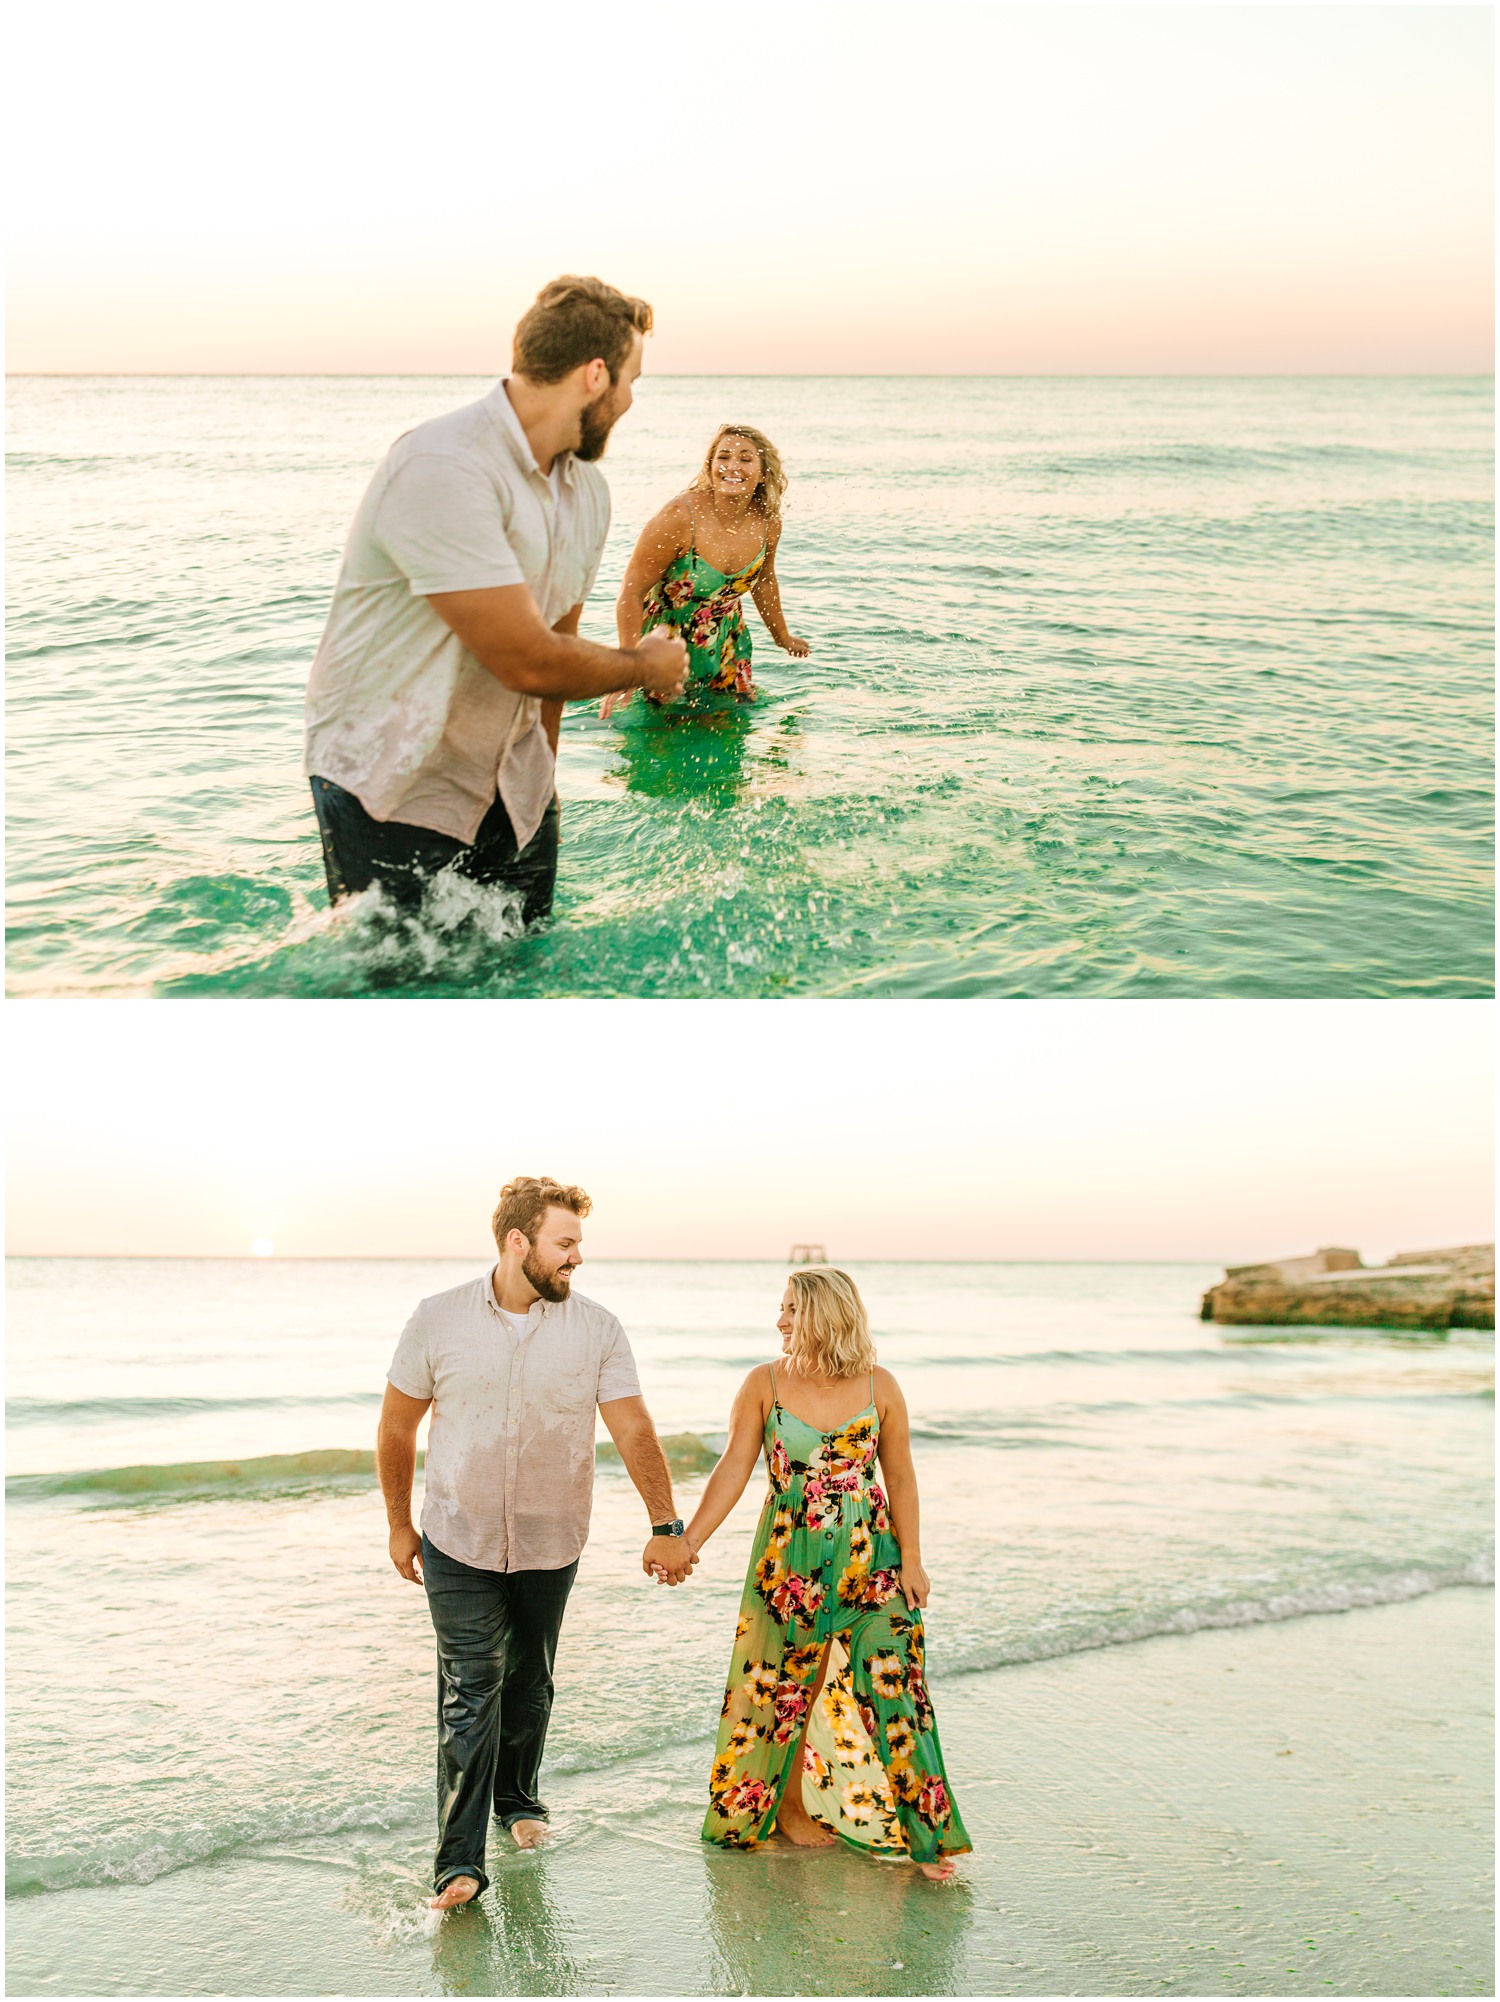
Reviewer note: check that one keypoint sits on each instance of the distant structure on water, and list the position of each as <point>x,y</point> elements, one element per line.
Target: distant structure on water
<point>808,1254</point>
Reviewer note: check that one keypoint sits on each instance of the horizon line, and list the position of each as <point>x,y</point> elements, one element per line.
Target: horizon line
<point>598,1258</point>
<point>781,375</point>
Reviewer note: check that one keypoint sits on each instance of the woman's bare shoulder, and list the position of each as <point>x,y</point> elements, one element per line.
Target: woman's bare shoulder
<point>671,523</point>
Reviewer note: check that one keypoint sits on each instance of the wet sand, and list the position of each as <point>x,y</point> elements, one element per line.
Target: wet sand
<point>1297,1809</point>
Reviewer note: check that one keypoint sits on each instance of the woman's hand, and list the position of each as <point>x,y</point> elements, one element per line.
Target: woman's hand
<point>613,702</point>
<point>798,649</point>
<point>915,1586</point>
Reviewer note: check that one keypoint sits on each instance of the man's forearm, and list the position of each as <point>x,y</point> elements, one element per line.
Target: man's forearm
<point>569,669</point>
<point>396,1464</point>
<point>646,1464</point>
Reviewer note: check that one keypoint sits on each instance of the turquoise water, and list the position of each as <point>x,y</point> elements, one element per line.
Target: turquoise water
<point>205,1654</point>
<point>1119,688</point>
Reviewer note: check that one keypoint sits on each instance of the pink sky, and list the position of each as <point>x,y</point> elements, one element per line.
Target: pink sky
<point>1058,189</point>
<point>1216,1130</point>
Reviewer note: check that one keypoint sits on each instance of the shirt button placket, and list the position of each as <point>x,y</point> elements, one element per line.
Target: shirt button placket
<point>512,1420</point>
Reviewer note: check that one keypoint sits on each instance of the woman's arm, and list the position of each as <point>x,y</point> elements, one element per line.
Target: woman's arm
<point>767,595</point>
<point>665,537</point>
<point>747,1426</point>
<point>901,1485</point>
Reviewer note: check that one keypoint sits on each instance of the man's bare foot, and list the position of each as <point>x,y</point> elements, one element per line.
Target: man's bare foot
<point>457,1891</point>
<point>797,1825</point>
<point>529,1834</point>
<point>941,1872</point>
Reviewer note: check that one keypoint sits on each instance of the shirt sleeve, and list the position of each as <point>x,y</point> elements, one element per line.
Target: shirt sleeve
<point>411,1366</point>
<point>617,1374</point>
<point>439,522</point>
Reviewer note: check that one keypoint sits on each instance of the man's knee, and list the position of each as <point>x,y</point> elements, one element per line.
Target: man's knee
<point>470,1688</point>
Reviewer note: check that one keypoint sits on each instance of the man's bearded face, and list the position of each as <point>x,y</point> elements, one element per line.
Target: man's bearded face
<point>598,420</point>
<point>552,1282</point>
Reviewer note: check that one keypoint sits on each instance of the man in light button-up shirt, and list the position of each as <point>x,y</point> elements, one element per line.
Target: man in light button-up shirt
<point>452,643</point>
<point>513,1366</point>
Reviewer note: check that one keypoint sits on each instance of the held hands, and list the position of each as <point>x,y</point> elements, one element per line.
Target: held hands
<point>406,1553</point>
<point>915,1586</point>
<point>663,669</point>
<point>669,1560</point>
<point>663,660</point>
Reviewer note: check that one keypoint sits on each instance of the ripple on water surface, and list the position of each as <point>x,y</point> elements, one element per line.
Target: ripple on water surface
<point>1118,688</point>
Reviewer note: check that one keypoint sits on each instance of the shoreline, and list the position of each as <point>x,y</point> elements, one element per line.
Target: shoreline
<point>1293,1808</point>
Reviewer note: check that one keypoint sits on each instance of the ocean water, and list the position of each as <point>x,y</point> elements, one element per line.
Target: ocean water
<point>1118,687</point>
<point>208,1655</point>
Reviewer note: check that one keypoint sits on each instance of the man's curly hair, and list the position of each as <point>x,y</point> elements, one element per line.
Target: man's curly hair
<point>524,1204</point>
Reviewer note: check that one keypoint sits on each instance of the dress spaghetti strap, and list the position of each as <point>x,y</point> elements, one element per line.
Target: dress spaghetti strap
<point>872,1386</point>
<point>775,1399</point>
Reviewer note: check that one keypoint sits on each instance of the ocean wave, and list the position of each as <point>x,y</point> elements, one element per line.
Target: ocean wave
<point>1193,456</point>
<point>277,1475</point>
<point>1294,1602</point>
<point>87,1410</point>
<point>184,1480</point>
<point>133,1861</point>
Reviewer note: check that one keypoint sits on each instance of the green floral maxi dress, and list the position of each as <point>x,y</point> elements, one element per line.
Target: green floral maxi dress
<point>824,1569</point>
<point>703,606</point>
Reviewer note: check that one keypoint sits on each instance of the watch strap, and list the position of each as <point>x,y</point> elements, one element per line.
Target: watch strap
<point>667,1528</point>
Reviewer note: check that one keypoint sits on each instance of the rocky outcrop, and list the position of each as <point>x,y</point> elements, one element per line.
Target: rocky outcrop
<point>1334,1288</point>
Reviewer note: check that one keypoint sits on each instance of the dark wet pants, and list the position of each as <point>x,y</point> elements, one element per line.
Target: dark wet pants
<point>359,850</point>
<point>496,1640</point>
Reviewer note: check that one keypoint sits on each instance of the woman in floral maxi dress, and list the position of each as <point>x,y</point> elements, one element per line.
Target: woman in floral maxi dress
<point>827,1730</point>
<point>697,558</point>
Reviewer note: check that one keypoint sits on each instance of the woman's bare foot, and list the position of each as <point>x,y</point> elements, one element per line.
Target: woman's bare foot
<point>457,1891</point>
<point>797,1825</point>
<point>529,1834</point>
<point>941,1872</point>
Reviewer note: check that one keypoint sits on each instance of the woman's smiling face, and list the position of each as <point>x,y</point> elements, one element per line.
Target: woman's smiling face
<point>735,469</point>
<point>784,1319</point>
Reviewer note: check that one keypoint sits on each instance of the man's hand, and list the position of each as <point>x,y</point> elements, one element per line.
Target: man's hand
<point>406,1553</point>
<point>663,663</point>
<point>669,1559</point>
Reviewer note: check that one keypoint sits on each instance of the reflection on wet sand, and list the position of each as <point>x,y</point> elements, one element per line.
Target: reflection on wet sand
<point>828,1922</point>
<point>513,1941</point>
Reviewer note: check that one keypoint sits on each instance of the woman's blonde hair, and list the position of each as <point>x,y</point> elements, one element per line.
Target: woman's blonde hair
<point>772,483</point>
<point>830,1328</point>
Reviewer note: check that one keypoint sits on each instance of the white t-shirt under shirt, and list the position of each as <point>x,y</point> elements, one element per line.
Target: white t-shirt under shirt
<point>399,712</point>
<point>510,1448</point>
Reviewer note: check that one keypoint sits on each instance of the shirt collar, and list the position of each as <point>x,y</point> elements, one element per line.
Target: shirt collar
<point>494,1305</point>
<point>504,414</point>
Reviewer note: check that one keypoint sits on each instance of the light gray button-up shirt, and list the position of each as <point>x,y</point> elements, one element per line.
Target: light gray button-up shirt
<point>510,1447</point>
<point>399,712</point>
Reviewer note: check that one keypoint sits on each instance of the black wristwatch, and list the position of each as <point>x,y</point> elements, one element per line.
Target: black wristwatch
<point>667,1528</point>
